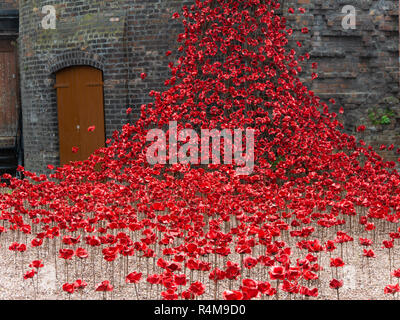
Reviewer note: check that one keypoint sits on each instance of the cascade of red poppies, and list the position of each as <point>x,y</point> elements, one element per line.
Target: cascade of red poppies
<point>188,231</point>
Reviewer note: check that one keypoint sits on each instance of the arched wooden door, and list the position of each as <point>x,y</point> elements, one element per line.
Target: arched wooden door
<point>80,106</point>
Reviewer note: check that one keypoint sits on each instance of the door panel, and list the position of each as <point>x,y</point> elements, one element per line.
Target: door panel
<point>80,105</point>
<point>8,93</point>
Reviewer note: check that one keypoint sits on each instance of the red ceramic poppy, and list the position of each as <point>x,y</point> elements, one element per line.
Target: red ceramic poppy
<point>69,287</point>
<point>80,284</point>
<point>170,294</point>
<point>104,286</point>
<point>277,273</point>
<point>369,253</point>
<point>392,289</point>
<point>337,262</point>
<point>197,288</point>
<point>180,280</point>
<point>81,253</point>
<point>133,277</point>
<point>66,254</point>
<point>335,284</point>
<point>232,295</point>
<point>29,274</point>
<point>250,262</point>
<point>36,264</point>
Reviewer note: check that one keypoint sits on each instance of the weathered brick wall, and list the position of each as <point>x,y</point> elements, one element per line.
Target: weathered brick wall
<point>359,68</point>
<point>122,38</point>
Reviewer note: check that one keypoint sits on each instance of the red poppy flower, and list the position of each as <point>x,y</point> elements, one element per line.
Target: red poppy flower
<point>308,275</point>
<point>290,287</point>
<point>249,288</point>
<point>68,287</point>
<point>91,128</point>
<point>197,288</point>
<point>154,279</point>
<point>370,226</point>
<point>36,242</point>
<point>174,266</point>
<point>81,253</point>
<point>133,277</point>
<point>162,263</point>
<point>335,284</point>
<point>36,264</point>
<point>308,292</point>
<point>94,242</point>
<point>104,286</point>
<point>169,295</point>
<point>263,287</point>
<point>232,295</point>
<point>311,258</point>
<point>249,262</point>
<point>360,128</point>
<point>75,149</point>
<point>277,273</point>
<point>396,273</point>
<point>180,280</point>
<point>66,254</point>
<point>337,262</point>
<point>80,284</point>
<point>14,246</point>
<point>388,244</point>
<point>217,275</point>
<point>365,242</point>
<point>392,289</point>
<point>30,274</point>
<point>369,253</point>
<point>232,271</point>
<point>188,295</point>
<point>293,273</point>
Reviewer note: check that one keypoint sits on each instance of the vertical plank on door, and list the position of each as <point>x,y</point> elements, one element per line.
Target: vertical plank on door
<point>92,111</point>
<point>8,93</point>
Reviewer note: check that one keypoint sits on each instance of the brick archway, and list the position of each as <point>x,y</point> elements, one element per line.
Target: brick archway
<point>74,58</point>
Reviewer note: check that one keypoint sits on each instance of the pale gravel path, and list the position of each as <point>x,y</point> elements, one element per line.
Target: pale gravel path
<point>365,285</point>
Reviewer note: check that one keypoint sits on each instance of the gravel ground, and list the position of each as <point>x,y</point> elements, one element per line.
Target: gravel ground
<point>362,280</point>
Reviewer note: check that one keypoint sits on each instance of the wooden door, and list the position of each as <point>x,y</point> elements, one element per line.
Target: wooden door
<point>8,93</point>
<point>80,106</point>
